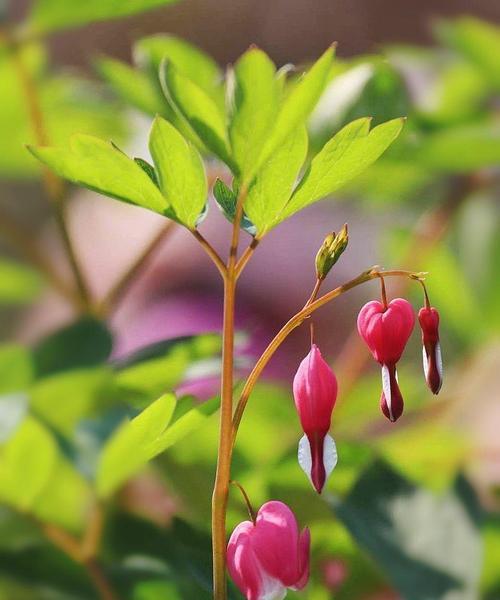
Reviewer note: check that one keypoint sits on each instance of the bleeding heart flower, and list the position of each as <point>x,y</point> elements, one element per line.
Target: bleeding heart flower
<point>433,364</point>
<point>386,330</point>
<point>267,557</point>
<point>315,393</point>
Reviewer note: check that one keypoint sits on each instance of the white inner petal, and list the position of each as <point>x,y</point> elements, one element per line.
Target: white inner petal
<point>272,589</point>
<point>426,362</point>
<point>305,458</point>
<point>330,456</point>
<point>386,386</point>
<point>439,360</point>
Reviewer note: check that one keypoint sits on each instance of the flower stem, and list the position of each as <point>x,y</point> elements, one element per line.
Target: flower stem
<point>251,511</point>
<point>222,477</point>
<point>293,323</point>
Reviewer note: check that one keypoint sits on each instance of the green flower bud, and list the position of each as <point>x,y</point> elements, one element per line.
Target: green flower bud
<point>330,251</point>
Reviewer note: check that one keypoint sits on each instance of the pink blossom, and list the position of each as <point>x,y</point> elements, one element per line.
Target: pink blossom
<point>267,557</point>
<point>315,393</point>
<point>433,364</point>
<point>386,330</point>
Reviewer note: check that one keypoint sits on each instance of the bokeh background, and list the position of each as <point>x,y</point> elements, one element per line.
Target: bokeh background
<point>431,204</point>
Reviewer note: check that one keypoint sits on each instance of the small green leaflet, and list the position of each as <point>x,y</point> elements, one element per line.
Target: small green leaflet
<point>226,199</point>
<point>101,167</point>
<point>180,171</point>
<point>296,107</point>
<point>273,185</point>
<point>138,441</point>
<point>256,100</point>
<point>344,157</point>
<point>200,111</point>
<point>51,15</point>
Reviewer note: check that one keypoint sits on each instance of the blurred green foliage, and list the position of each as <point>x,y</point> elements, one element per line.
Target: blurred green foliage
<point>80,430</point>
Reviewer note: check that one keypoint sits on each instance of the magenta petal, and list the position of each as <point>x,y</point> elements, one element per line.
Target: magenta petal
<point>304,553</point>
<point>242,564</point>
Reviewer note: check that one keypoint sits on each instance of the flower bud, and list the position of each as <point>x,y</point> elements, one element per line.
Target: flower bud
<point>330,251</point>
<point>315,394</point>
<point>386,330</point>
<point>267,557</point>
<point>433,365</point>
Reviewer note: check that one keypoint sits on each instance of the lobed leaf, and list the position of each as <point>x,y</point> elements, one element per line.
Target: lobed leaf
<point>345,156</point>
<point>274,183</point>
<point>180,170</point>
<point>296,107</point>
<point>101,167</point>
<point>200,111</point>
<point>256,102</point>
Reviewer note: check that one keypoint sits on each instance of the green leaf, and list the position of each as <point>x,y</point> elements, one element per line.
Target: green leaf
<point>16,368</point>
<point>51,15</point>
<point>273,184</point>
<point>35,477</point>
<point>189,60</point>
<point>479,147</point>
<point>296,107</point>
<point>181,174</point>
<point>344,157</point>
<point>18,283</point>
<point>132,85</point>
<point>226,199</point>
<point>85,343</point>
<point>407,532</point>
<point>256,100</point>
<point>101,167</point>
<point>138,441</point>
<point>128,449</point>
<point>151,371</point>
<point>199,110</point>
<point>477,40</point>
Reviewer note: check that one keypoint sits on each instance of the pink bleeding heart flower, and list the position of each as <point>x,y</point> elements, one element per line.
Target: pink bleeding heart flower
<point>267,557</point>
<point>433,363</point>
<point>386,330</point>
<point>315,393</point>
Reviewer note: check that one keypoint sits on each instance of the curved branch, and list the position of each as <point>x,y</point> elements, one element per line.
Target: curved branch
<point>297,320</point>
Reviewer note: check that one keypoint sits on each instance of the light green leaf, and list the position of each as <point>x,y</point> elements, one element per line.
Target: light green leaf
<point>256,99</point>
<point>344,157</point>
<point>154,430</point>
<point>189,60</point>
<point>51,15</point>
<point>273,185</point>
<point>101,167</point>
<point>129,447</point>
<point>18,283</point>
<point>180,170</point>
<point>297,106</point>
<point>477,40</point>
<point>132,85</point>
<point>36,478</point>
<point>199,110</point>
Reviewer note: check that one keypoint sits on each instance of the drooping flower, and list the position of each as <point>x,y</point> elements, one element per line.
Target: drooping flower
<point>267,557</point>
<point>315,393</point>
<point>386,330</point>
<point>433,365</point>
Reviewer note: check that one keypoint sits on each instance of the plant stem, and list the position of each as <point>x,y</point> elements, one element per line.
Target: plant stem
<point>222,477</point>
<point>121,287</point>
<point>209,249</point>
<point>293,323</point>
<point>23,242</point>
<point>246,256</point>
<point>54,186</point>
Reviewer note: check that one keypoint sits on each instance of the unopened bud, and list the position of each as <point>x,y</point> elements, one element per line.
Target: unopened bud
<point>330,251</point>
